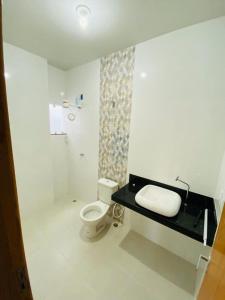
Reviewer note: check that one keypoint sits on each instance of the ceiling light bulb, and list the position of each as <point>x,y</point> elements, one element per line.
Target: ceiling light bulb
<point>83,14</point>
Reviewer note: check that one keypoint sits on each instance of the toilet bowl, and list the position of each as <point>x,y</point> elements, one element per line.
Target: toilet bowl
<point>94,215</point>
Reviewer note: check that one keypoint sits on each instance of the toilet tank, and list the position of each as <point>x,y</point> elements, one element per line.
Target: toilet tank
<point>106,188</point>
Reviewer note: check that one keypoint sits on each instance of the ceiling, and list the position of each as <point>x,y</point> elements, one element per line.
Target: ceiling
<point>49,28</point>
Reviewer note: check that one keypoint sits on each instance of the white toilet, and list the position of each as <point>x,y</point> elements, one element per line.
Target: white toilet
<point>93,215</point>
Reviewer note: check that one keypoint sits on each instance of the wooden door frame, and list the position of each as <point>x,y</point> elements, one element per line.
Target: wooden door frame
<point>14,280</point>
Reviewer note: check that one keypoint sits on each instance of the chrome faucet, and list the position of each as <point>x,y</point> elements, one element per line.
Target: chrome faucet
<point>188,189</point>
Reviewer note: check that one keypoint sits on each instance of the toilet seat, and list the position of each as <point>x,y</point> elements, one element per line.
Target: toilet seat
<point>94,211</point>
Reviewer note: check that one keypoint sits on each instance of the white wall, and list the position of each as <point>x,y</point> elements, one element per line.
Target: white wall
<point>181,245</point>
<point>56,85</point>
<point>27,92</point>
<point>60,165</point>
<point>83,133</point>
<point>177,122</point>
<point>59,146</point>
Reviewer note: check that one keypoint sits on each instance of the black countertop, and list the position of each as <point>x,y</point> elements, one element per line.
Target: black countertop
<point>189,220</point>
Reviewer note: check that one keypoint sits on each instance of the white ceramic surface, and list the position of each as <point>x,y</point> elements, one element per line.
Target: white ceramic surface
<point>159,200</point>
<point>93,215</point>
<point>27,95</point>
<point>93,212</point>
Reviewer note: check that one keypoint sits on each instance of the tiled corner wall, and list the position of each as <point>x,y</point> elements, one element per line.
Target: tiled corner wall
<point>115,110</point>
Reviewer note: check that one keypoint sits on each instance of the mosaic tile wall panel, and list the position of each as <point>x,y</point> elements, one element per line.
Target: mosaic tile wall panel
<point>115,110</point>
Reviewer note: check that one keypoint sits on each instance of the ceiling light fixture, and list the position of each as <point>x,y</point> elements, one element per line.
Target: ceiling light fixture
<point>83,14</point>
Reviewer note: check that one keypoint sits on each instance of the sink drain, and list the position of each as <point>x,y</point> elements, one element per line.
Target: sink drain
<point>115,224</point>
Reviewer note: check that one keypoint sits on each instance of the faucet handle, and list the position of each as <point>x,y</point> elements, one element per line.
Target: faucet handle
<point>177,178</point>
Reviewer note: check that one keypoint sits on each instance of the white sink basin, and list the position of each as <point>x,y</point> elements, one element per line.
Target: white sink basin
<point>159,200</point>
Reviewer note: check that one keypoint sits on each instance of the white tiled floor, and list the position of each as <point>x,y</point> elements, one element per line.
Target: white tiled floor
<point>63,266</point>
